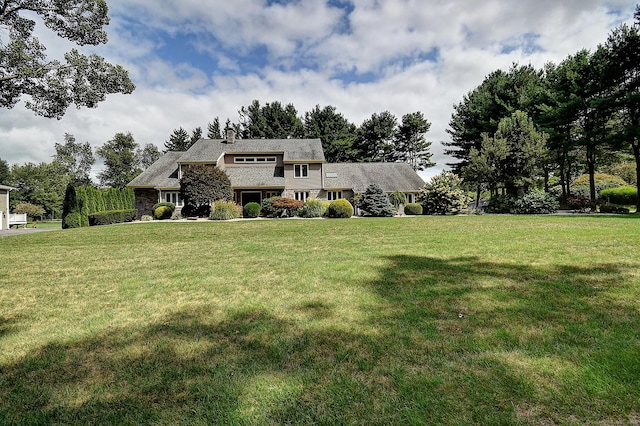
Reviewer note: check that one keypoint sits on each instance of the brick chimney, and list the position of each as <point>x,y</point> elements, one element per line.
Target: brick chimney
<point>231,135</point>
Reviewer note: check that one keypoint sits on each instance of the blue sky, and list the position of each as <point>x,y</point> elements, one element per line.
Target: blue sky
<point>192,61</point>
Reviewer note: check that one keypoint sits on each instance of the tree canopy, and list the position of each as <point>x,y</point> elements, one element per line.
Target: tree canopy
<point>120,160</point>
<point>53,85</point>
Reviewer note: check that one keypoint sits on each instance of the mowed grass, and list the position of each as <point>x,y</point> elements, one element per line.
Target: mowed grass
<point>425,320</point>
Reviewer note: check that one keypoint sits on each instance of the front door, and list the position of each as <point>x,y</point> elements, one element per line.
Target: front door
<point>250,197</point>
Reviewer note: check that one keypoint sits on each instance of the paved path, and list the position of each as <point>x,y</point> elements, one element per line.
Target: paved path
<point>21,231</point>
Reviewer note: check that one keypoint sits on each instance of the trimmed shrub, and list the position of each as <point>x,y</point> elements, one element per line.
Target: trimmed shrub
<point>610,208</point>
<point>536,202</point>
<point>626,195</point>
<point>413,209</point>
<point>225,210</point>
<point>72,220</point>
<point>443,195</point>
<point>251,210</point>
<point>340,208</point>
<point>163,210</point>
<point>314,207</point>
<point>289,206</point>
<point>112,216</point>
<point>281,206</point>
<point>376,203</point>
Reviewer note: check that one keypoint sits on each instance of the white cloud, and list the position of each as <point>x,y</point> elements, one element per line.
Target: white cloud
<point>307,48</point>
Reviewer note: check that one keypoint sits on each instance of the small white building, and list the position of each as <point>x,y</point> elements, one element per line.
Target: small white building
<point>4,206</point>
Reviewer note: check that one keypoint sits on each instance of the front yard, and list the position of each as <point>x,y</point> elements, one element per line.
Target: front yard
<point>422,320</point>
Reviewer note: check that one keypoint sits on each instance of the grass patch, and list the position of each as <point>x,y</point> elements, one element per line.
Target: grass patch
<point>425,320</point>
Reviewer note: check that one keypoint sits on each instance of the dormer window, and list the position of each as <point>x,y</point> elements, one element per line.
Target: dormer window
<point>255,160</point>
<point>300,170</point>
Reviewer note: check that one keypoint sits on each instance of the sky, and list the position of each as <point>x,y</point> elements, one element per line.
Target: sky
<point>194,60</point>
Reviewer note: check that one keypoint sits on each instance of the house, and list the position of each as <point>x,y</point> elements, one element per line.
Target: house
<point>263,168</point>
<point>4,206</point>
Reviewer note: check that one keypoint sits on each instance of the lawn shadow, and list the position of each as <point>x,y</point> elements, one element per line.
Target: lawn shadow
<point>454,341</point>
<point>529,335</point>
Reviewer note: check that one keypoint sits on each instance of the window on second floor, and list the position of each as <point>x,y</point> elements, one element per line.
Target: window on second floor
<point>300,170</point>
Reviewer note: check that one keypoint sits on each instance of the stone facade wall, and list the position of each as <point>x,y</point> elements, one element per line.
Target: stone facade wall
<point>146,198</point>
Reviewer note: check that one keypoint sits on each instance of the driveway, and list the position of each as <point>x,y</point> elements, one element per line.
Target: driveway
<point>21,231</point>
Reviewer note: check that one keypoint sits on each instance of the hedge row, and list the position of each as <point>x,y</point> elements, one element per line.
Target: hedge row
<point>82,202</point>
<point>112,216</point>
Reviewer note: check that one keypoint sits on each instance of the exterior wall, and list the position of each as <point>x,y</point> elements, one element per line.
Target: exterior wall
<point>310,183</point>
<point>4,208</point>
<point>146,198</point>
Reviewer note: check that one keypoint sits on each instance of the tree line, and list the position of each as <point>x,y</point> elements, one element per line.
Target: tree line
<point>44,184</point>
<point>531,127</point>
<point>380,138</point>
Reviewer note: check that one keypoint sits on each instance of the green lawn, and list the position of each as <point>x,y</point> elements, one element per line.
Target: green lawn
<point>425,320</point>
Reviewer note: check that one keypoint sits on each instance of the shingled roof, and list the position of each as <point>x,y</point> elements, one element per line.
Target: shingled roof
<point>209,150</point>
<point>358,176</point>
<point>255,177</point>
<point>161,174</point>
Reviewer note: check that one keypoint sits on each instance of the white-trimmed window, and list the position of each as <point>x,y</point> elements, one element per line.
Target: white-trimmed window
<point>301,195</point>
<point>334,195</point>
<point>411,198</point>
<point>255,160</point>
<point>300,170</point>
<point>174,197</point>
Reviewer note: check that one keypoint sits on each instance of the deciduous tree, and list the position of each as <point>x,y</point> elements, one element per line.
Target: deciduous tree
<point>77,158</point>
<point>53,85</point>
<point>120,160</point>
<point>203,184</point>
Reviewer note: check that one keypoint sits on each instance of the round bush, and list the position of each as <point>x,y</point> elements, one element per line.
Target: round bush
<point>162,212</point>
<point>340,209</point>
<point>413,209</point>
<point>251,210</point>
<point>224,210</point>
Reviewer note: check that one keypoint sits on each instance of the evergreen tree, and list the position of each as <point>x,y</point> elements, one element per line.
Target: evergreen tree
<point>213,130</point>
<point>335,132</point>
<point>411,145</point>
<point>375,140</point>
<point>376,203</point>
<point>178,141</point>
